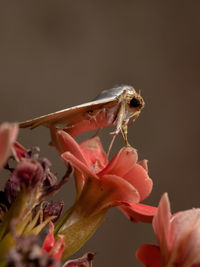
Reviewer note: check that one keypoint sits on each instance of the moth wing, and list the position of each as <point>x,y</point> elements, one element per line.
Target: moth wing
<point>67,116</point>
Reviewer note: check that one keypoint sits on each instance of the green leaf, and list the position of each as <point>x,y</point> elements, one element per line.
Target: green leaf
<point>77,234</point>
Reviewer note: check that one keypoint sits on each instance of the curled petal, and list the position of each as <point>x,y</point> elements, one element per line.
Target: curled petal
<point>161,225</point>
<point>70,145</point>
<point>139,212</point>
<point>67,156</point>
<point>8,135</point>
<point>54,249</point>
<point>19,151</point>
<point>144,164</point>
<point>185,229</point>
<point>81,171</point>
<point>58,249</point>
<point>49,241</point>
<point>149,255</point>
<point>121,163</point>
<point>94,153</point>
<point>138,177</point>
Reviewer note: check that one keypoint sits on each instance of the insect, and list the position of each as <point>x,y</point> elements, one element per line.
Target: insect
<point>115,106</point>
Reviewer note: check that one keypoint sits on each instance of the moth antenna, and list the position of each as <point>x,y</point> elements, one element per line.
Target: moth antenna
<point>111,144</point>
<point>140,91</point>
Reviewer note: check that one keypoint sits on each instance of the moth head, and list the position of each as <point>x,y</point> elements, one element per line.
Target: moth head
<point>135,101</point>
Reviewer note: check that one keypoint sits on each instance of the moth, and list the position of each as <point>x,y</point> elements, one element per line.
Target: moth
<point>115,106</point>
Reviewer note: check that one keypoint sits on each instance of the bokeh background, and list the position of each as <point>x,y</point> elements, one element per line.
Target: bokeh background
<point>55,54</point>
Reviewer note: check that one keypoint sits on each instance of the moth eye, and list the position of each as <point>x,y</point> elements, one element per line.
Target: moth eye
<point>90,111</point>
<point>134,103</point>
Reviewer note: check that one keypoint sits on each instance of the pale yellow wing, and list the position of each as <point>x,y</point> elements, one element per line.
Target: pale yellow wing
<point>67,116</point>
<point>76,114</point>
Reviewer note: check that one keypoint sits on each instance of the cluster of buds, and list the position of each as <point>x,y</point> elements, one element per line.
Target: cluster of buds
<point>24,210</point>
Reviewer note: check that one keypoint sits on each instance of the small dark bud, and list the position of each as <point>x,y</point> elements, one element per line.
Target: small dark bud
<point>27,174</point>
<point>49,178</point>
<point>84,261</point>
<point>52,209</point>
<point>53,189</point>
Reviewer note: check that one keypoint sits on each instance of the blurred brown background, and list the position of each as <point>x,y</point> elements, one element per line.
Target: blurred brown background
<point>56,54</point>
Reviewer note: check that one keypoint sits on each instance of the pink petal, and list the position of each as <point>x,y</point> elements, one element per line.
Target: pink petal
<point>138,212</point>
<point>121,163</point>
<point>81,127</point>
<point>79,180</point>
<point>81,171</point>
<point>49,241</point>
<point>161,225</point>
<point>19,151</point>
<point>70,145</point>
<point>58,248</point>
<point>54,249</point>
<point>104,193</point>
<point>94,153</point>
<point>144,164</point>
<point>139,178</point>
<point>185,236</point>
<point>149,255</point>
<point>67,156</point>
<point>119,190</point>
<point>8,135</point>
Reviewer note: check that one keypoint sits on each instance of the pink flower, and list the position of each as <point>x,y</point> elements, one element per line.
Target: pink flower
<point>8,135</point>
<point>100,185</point>
<point>178,237</point>
<point>52,247</point>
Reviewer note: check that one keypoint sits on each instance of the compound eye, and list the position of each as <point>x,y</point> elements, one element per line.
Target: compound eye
<point>134,103</point>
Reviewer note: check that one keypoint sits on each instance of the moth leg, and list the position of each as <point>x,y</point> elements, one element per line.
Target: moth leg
<point>111,144</point>
<point>119,127</point>
<point>125,134</point>
<point>136,115</point>
<point>120,119</point>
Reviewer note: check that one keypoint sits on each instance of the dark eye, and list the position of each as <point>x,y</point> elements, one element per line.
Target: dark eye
<point>134,103</point>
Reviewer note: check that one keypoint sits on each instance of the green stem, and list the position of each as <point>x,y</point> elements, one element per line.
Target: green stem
<point>9,241</point>
<point>14,212</point>
<point>62,220</point>
<point>77,234</point>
